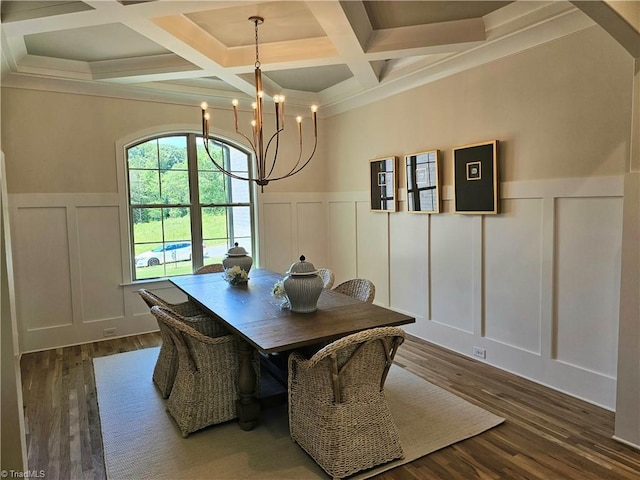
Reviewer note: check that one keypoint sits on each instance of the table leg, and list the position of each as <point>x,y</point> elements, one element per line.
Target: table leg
<point>248,406</point>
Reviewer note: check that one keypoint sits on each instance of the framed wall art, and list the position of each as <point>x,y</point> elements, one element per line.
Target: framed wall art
<point>423,181</point>
<point>384,184</point>
<point>475,178</point>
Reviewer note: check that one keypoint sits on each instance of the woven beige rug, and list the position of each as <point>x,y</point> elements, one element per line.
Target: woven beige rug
<point>142,442</point>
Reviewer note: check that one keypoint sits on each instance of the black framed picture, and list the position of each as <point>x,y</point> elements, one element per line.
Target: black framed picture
<point>475,179</point>
<point>384,184</point>
<point>423,181</point>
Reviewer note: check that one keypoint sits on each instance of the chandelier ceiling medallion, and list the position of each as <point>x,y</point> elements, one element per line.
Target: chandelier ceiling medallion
<point>264,162</point>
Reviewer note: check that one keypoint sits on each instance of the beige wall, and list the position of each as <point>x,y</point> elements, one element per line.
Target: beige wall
<point>63,143</point>
<point>560,110</point>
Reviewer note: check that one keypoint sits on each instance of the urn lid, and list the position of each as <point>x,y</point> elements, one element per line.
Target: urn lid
<point>237,251</point>
<point>302,268</point>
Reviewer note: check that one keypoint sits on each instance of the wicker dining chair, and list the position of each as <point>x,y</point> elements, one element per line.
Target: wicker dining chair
<point>359,288</point>
<point>164,372</point>
<point>205,389</point>
<point>327,276</point>
<point>338,412</point>
<point>186,309</point>
<point>213,268</point>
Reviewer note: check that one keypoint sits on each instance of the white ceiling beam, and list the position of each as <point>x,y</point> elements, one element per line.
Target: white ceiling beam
<point>340,31</point>
<point>186,39</point>
<point>130,70</point>
<point>624,28</point>
<point>433,34</point>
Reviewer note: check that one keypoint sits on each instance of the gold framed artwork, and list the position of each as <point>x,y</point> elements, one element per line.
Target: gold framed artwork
<point>384,184</point>
<point>475,178</point>
<point>423,181</point>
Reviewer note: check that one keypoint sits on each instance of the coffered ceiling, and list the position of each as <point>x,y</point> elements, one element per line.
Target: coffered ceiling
<point>338,54</point>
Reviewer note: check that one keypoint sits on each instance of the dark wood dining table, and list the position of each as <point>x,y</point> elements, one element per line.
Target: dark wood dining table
<point>252,313</point>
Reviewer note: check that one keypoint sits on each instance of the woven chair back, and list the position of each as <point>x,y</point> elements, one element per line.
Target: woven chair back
<point>356,366</point>
<point>359,288</point>
<point>327,276</point>
<point>185,331</point>
<point>151,299</point>
<point>213,268</point>
<point>184,309</point>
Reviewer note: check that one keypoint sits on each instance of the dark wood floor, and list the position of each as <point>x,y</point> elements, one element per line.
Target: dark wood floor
<point>547,435</point>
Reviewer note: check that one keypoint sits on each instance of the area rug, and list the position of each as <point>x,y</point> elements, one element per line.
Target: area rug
<point>141,440</point>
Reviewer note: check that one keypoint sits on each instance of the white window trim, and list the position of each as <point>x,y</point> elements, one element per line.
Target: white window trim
<point>123,202</point>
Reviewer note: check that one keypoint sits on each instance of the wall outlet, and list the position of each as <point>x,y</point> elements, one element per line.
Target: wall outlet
<point>479,352</point>
<point>109,332</point>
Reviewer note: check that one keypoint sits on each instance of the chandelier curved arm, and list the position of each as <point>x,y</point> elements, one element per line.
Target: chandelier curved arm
<point>222,169</point>
<point>294,171</point>
<point>275,136</point>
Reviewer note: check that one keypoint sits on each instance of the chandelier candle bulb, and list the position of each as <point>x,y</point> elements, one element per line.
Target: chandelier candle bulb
<point>234,103</point>
<point>314,111</point>
<point>204,107</point>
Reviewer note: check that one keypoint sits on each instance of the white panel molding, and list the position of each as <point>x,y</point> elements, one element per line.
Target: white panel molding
<point>547,271</point>
<point>338,211</point>
<point>478,301</point>
<point>78,329</point>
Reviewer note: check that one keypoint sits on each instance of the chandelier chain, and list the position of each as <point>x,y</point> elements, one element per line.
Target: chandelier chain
<point>257,64</point>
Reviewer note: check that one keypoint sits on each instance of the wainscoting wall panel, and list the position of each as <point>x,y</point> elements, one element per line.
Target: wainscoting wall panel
<point>68,271</point>
<point>588,242</point>
<point>409,271</point>
<point>372,251</point>
<point>452,273</point>
<point>276,243</point>
<point>292,225</point>
<point>537,287</point>
<point>100,258</point>
<point>42,267</point>
<point>342,238</point>
<point>513,263</point>
<point>311,233</point>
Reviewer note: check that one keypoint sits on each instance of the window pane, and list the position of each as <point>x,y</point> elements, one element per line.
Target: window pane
<point>214,223</point>
<point>176,224</point>
<point>175,187</point>
<point>144,155</point>
<point>239,191</point>
<point>212,187</point>
<point>162,239</point>
<point>147,227</point>
<point>215,149</point>
<point>173,152</point>
<point>239,161</point>
<point>214,233</point>
<point>223,226</point>
<point>240,226</point>
<point>144,187</point>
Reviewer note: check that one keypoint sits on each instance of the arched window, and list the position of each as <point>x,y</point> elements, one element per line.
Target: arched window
<point>184,212</point>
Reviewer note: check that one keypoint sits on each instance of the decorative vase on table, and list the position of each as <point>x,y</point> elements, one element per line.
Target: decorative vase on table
<point>237,256</point>
<point>303,286</point>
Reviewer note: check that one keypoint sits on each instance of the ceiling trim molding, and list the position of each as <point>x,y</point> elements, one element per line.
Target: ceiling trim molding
<point>510,30</point>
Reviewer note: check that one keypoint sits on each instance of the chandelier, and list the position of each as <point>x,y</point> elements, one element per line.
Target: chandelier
<point>265,161</point>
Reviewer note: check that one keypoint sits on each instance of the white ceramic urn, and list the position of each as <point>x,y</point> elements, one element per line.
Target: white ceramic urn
<point>303,286</point>
<point>237,256</point>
